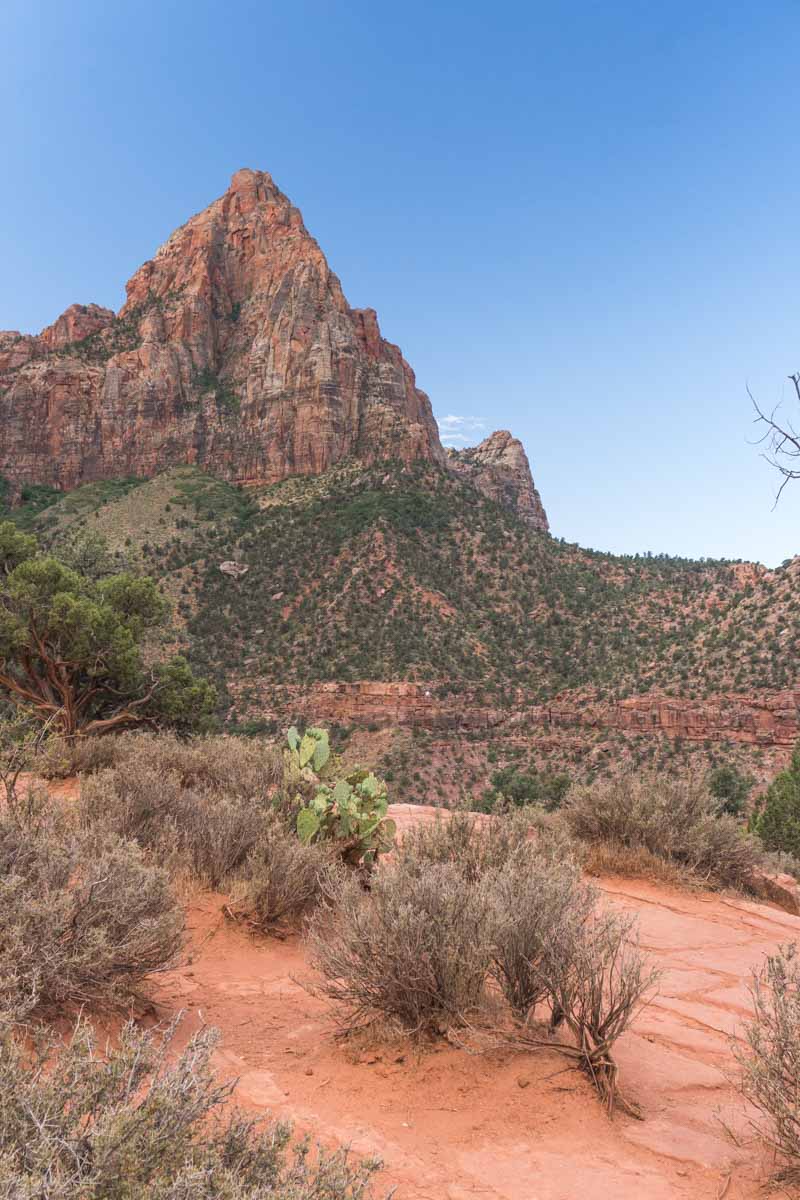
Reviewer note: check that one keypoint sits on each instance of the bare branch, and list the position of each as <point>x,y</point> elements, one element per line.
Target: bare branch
<point>781,438</point>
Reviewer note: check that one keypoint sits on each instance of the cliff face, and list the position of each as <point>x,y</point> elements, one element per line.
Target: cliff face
<point>235,350</point>
<point>769,719</point>
<point>499,468</point>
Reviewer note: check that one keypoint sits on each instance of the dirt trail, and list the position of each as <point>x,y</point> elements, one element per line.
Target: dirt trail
<point>450,1126</point>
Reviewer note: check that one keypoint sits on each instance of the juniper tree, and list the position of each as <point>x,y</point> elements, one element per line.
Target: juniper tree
<point>71,647</point>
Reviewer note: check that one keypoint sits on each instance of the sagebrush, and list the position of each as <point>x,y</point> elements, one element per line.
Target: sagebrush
<point>769,1055</point>
<point>674,819</point>
<point>281,879</point>
<point>85,917</point>
<point>413,950</point>
<point>83,1122</point>
<point>201,805</point>
<point>464,910</point>
<point>475,845</point>
<point>539,905</point>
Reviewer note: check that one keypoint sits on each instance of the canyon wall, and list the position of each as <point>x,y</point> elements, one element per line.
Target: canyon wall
<point>769,719</point>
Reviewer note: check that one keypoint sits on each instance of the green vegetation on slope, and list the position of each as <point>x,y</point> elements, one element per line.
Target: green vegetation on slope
<point>397,573</point>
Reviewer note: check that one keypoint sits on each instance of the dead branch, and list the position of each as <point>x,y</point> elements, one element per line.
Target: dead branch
<point>781,440</point>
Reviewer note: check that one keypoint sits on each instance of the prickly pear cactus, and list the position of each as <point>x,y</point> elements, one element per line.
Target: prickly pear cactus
<point>350,812</point>
<point>312,749</point>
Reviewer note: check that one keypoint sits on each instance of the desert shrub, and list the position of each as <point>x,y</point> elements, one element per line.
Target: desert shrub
<point>80,1125</point>
<point>554,945</point>
<point>246,767</point>
<point>139,803</point>
<point>634,862</point>
<point>281,878</point>
<point>769,1054</point>
<point>201,805</point>
<point>413,950</point>
<point>240,765</point>
<point>538,902</point>
<point>418,947</point>
<point>778,821</point>
<point>61,757</point>
<point>596,977</point>
<point>674,819</point>
<point>475,847</point>
<point>216,832</point>
<point>85,919</point>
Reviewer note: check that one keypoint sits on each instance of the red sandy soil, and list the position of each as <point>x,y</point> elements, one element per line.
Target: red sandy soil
<point>449,1125</point>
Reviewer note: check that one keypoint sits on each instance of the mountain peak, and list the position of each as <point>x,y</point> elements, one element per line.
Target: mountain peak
<point>499,467</point>
<point>236,350</point>
<point>246,176</point>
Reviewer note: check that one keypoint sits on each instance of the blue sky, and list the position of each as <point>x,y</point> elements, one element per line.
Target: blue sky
<point>579,220</point>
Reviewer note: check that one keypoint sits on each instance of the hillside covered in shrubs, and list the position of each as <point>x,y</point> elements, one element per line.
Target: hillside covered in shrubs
<point>404,573</point>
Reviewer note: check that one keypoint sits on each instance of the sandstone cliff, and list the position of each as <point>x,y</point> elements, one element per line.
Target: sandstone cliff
<point>236,350</point>
<point>499,467</point>
<point>768,719</point>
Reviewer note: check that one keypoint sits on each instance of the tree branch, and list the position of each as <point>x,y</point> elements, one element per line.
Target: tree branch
<point>782,440</point>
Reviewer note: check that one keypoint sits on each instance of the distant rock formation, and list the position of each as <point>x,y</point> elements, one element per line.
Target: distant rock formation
<point>499,468</point>
<point>766,720</point>
<point>237,351</point>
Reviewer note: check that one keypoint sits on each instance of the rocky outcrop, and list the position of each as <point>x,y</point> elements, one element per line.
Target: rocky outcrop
<point>770,719</point>
<point>765,719</point>
<point>368,702</point>
<point>780,889</point>
<point>499,468</point>
<point>78,322</point>
<point>236,350</point>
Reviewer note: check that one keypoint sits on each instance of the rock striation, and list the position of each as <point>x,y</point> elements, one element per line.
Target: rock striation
<point>499,468</point>
<point>236,350</point>
<point>769,719</point>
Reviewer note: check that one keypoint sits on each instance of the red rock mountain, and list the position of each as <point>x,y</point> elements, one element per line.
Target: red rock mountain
<point>236,350</point>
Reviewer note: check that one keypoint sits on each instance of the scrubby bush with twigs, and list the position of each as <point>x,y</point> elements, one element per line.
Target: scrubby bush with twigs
<point>413,951</point>
<point>242,766</point>
<point>539,903</point>
<point>674,819</point>
<point>281,879</point>
<point>129,1122</point>
<point>473,844</point>
<point>84,917</point>
<point>452,916</point>
<point>596,977</point>
<point>555,948</point>
<point>769,1055</point>
<point>201,806</point>
<point>60,757</point>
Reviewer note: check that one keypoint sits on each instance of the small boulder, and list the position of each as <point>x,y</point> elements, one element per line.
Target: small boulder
<point>234,569</point>
<point>781,889</point>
